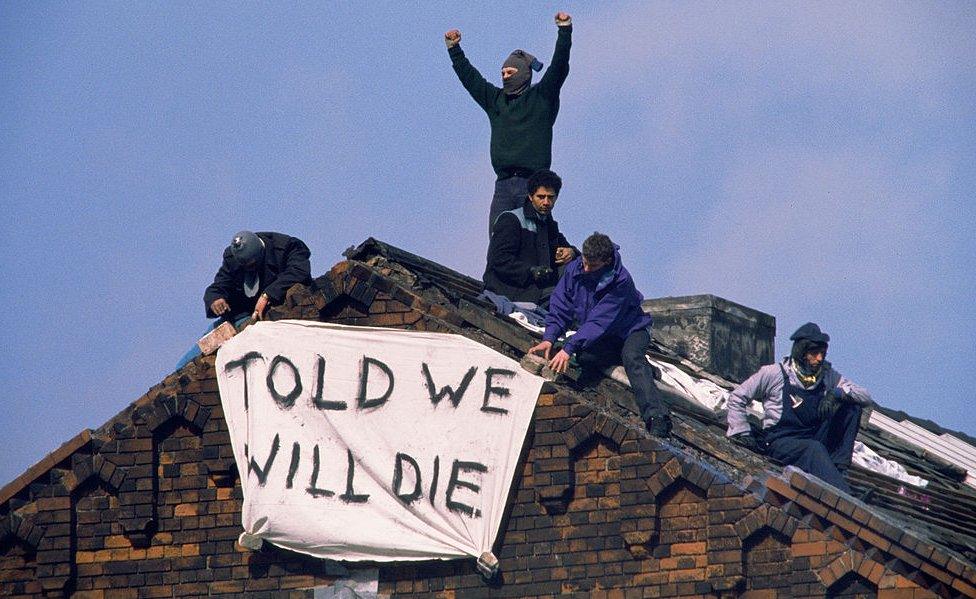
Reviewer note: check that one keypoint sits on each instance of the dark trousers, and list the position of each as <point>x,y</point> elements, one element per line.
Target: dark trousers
<point>510,194</point>
<point>611,351</point>
<point>828,452</point>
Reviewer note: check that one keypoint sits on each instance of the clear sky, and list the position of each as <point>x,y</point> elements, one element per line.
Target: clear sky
<point>816,161</point>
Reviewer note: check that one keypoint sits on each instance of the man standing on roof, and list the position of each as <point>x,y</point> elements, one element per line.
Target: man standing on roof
<point>811,413</point>
<point>521,114</point>
<point>257,270</point>
<point>526,247</point>
<point>597,292</point>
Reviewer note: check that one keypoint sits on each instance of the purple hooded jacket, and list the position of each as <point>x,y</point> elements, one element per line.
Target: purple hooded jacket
<point>603,303</point>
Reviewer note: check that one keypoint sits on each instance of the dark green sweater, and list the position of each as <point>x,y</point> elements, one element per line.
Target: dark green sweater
<point>521,126</point>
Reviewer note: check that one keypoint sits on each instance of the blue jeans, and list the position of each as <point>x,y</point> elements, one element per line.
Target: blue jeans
<point>510,194</point>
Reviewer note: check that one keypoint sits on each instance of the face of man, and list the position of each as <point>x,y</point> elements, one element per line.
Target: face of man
<point>592,265</point>
<point>543,200</point>
<point>508,72</point>
<point>815,357</point>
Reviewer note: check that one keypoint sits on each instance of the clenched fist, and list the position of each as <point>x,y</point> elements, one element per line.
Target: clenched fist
<point>452,38</point>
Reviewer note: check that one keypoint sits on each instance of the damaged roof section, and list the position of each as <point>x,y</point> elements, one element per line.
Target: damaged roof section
<point>595,484</point>
<point>943,512</point>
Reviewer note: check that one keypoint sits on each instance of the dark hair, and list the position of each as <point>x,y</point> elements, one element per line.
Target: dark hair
<point>544,178</point>
<point>598,247</point>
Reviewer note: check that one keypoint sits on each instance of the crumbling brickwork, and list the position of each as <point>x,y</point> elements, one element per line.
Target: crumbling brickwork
<point>149,506</point>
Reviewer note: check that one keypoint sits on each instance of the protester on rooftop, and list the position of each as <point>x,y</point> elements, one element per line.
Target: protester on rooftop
<point>256,272</point>
<point>526,248</point>
<point>811,413</point>
<point>521,114</point>
<point>598,293</point>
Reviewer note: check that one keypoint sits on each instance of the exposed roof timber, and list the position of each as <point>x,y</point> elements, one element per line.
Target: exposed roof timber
<point>957,453</point>
<point>455,281</point>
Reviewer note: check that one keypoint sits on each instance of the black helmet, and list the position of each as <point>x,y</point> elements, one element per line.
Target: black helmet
<point>247,249</point>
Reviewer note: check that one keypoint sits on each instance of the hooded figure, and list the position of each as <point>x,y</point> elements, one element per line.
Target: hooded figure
<point>256,265</point>
<point>525,63</point>
<point>811,414</point>
<point>808,338</point>
<point>248,251</point>
<point>521,115</point>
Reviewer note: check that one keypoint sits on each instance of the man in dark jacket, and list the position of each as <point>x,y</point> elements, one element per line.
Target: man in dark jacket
<point>521,114</point>
<point>811,414</point>
<point>598,293</point>
<point>526,246</point>
<point>257,270</point>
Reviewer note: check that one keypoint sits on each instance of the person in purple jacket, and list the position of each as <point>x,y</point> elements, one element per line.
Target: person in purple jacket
<point>811,414</point>
<point>598,293</point>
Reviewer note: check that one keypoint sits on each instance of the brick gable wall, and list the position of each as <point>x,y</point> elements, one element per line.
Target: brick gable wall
<point>150,506</point>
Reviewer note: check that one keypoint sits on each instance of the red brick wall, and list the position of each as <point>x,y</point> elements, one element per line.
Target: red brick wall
<point>17,566</point>
<point>151,508</point>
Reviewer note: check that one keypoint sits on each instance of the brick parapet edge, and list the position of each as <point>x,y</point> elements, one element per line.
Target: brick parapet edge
<point>858,521</point>
<point>650,476</point>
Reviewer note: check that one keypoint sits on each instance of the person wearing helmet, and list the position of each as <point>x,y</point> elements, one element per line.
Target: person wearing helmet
<point>521,114</point>
<point>256,272</point>
<point>811,413</point>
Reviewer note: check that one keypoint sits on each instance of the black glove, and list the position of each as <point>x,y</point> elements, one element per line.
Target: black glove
<point>541,274</point>
<point>746,440</point>
<point>830,404</point>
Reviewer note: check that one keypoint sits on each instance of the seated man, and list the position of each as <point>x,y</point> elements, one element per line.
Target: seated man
<point>811,413</point>
<point>257,270</point>
<point>526,246</point>
<point>599,294</point>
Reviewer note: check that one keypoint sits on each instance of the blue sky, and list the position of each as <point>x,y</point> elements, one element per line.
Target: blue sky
<point>814,161</point>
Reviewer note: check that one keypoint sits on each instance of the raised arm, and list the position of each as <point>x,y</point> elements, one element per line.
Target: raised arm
<point>483,92</point>
<point>565,252</point>
<point>558,69</point>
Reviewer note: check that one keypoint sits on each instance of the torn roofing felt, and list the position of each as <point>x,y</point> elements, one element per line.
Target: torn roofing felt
<point>943,512</point>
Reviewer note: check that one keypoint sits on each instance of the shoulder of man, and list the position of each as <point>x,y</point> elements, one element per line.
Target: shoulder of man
<point>769,374</point>
<point>513,218</point>
<point>830,376</point>
<point>278,240</point>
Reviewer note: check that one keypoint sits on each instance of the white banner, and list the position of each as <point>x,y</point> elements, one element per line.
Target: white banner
<point>360,443</point>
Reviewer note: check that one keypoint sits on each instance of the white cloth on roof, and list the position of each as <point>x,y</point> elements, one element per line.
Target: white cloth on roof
<point>865,457</point>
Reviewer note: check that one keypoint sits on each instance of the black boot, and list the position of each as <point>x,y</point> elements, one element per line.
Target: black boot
<point>660,427</point>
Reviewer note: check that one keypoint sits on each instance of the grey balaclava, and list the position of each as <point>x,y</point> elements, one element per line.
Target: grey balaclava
<point>248,250</point>
<point>520,81</point>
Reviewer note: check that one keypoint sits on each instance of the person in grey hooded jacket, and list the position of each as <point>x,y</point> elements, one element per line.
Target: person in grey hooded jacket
<point>811,413</point>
